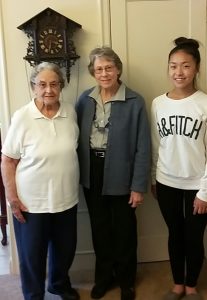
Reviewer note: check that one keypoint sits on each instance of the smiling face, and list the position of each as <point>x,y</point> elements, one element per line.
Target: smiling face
<point>47,87</point>
<point>106,73</point>
<point>182,70</point>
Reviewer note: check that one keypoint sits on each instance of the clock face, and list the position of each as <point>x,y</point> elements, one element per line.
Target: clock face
<point>50,41</point>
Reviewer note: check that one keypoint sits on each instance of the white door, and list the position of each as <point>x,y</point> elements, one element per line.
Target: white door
<point>142,33</point>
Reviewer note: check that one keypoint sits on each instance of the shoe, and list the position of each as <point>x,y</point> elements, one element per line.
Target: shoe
<point>72,294</point>
<point>192,297</point>
<point>98,291</point>
<point>127,294</point>
<point>173,296</point>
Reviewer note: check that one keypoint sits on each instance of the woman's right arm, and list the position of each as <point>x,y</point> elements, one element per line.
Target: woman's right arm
<point>8,170</point>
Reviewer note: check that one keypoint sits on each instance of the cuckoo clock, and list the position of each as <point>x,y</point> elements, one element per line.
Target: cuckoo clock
<point>50,39</point>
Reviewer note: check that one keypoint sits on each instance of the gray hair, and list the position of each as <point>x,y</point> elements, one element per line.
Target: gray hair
<point>47,66</point>
<point>106,52</point>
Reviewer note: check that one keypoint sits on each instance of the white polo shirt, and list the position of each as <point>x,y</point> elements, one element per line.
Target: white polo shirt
<point>47,176</point>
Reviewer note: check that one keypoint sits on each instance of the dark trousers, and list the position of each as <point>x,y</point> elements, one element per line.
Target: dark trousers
<point>114,231</point>
<point>186,231</point>
<point>52,234</point>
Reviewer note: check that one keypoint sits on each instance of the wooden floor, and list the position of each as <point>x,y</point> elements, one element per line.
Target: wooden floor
<point>153,281</point>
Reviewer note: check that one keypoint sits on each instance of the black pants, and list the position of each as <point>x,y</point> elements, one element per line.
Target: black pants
<point>186,231</point>
<point>114,231</point>
<point>55,232</point>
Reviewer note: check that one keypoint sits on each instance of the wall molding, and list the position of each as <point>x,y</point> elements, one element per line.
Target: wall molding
<point>105,15</point>
<point>4,99</point>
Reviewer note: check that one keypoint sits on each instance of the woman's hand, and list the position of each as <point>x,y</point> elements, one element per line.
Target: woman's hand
<point>17,207</point>
<point>199,206</point>
<point>136,198</point>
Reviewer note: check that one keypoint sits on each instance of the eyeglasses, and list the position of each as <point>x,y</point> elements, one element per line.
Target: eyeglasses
<point>43,85</point>
<point>107,69</point>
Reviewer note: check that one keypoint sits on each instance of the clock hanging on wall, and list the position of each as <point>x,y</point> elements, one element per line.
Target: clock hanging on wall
<point>50,39</point>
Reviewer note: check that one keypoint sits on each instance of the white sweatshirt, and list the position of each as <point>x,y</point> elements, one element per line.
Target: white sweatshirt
<point>179,142</point>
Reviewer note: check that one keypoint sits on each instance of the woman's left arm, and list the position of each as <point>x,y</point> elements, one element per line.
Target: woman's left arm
<point>200,201</point>
<point>142,159</point>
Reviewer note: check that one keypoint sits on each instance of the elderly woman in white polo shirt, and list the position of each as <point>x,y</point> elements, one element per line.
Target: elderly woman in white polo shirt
<point>41,177</point>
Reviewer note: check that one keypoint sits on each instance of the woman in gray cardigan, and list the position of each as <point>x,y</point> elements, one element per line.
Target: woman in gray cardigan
<point>114,155</point>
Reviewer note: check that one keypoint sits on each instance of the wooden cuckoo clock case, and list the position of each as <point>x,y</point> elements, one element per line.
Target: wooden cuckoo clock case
<point>50,39</point>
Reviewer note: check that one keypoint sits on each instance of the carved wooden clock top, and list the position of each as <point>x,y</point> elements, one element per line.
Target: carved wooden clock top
<point>49,35</point>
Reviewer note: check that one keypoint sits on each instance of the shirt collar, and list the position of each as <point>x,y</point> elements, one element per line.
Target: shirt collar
<point>38,115</point>
<point>119,96</point>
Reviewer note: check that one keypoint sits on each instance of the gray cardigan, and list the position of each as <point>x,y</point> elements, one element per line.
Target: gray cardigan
<point>127,160</point>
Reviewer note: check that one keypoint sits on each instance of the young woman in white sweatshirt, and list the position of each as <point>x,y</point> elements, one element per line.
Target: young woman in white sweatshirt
<point>179,172</point>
